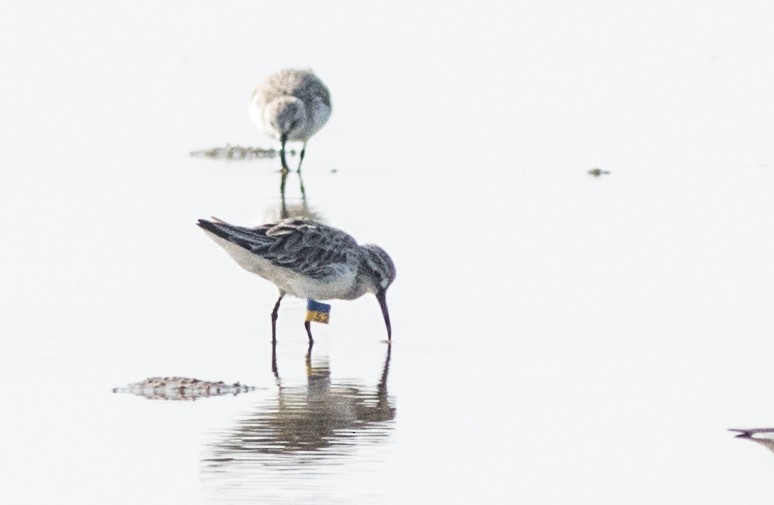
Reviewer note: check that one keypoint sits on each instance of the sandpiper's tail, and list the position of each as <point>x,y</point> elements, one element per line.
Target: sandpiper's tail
<point>252,239</point>
<point>216,227</point>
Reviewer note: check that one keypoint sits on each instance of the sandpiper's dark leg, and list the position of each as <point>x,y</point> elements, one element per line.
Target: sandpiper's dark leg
<point>301,156</point>
<point>274,316</point>
<point>284,162</point>
<point>308,326</point>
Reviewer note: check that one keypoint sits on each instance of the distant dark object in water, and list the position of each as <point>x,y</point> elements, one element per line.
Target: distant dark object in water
<point>596,172</point>
<point>181,388</point>
<point>238,153</point>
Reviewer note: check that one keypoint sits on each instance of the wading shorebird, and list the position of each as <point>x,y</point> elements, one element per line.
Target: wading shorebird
<point>308,259</point>
<point>292,105</point>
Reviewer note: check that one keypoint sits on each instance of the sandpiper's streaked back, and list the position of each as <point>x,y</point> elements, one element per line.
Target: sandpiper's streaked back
<point>308,259</point>
<point>292,105</point>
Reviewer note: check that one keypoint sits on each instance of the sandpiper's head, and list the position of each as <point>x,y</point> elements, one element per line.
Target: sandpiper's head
<point>377,273</point>
<point>286,116</point>
<point>377,268</point>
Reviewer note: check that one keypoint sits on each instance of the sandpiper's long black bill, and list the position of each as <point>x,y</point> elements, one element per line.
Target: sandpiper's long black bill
<point>382,297</point>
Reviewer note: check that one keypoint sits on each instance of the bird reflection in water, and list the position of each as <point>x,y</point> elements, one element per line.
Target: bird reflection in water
<point>297,210</point>
<point>320,420</point>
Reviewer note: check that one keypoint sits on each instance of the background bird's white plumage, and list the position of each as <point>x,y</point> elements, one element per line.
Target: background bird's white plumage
<point>297,88</point>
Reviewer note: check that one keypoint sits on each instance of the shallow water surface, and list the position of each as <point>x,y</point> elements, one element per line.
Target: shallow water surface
<point>546,326</point>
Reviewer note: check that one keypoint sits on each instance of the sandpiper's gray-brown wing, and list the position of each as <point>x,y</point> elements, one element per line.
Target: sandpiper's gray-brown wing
<point>307,247</point>
<point>302,84</point>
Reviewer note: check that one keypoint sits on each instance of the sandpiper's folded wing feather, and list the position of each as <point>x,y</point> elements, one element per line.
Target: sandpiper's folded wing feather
<point>304,246</point>
<point>302,84</point>
<point>306,86</point>
<point>311,88</point>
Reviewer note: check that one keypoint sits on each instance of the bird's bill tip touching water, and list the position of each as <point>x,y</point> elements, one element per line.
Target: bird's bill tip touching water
<point>382,297</point>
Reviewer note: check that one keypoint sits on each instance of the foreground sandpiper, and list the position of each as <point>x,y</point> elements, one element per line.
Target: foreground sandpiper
<point>292,105</point>
<point>308,259</point>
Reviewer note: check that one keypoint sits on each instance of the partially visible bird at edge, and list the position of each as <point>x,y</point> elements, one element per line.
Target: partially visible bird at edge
<point>307,259</point>
<point>763,436</point>
<point>292,105</point>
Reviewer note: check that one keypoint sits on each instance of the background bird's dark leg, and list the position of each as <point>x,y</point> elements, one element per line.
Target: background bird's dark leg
<point>284,162</point>
<point>301,158</point>
<point>308,326</point>
<point>274,316</point>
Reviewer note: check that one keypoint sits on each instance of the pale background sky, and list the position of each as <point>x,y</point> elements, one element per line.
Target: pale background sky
<point>663,81</point>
